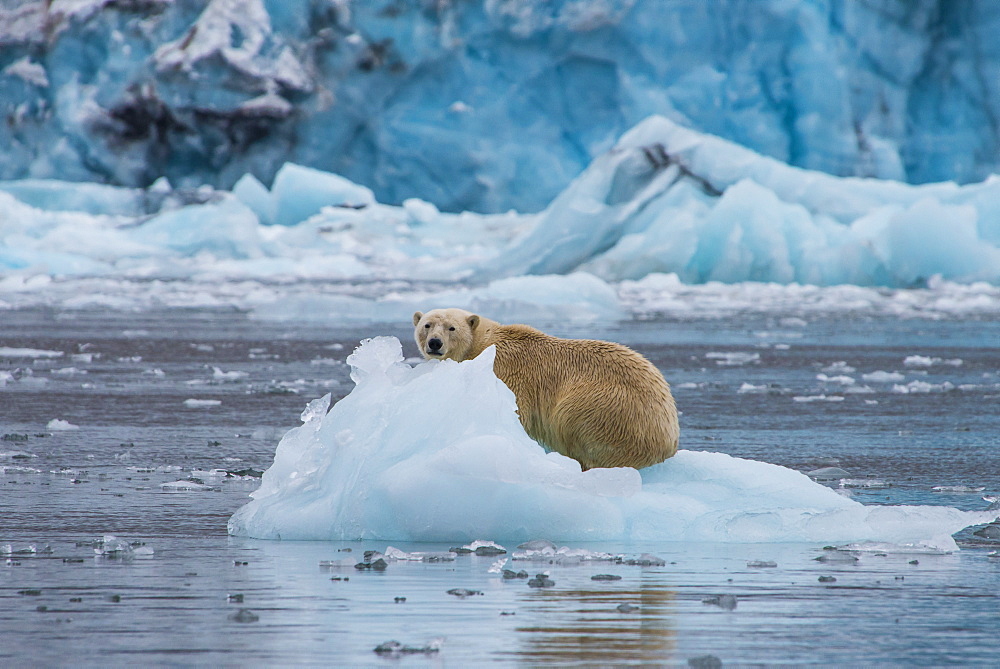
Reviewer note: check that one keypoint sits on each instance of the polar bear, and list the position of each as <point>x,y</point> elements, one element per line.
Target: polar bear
<point>597,402</point>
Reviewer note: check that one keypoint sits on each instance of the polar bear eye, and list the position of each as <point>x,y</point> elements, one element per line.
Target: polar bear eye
<point>452,329</point>
<point>428,325</point>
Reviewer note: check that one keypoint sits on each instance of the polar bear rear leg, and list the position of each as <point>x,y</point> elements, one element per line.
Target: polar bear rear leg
<point>588,430</point>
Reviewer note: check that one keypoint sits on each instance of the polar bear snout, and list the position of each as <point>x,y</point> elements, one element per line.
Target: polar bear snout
<point>445,333</point>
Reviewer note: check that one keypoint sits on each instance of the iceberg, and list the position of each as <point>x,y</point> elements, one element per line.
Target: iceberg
<point>668,220</point>
<point>667,199</point>
<point>435,453</point>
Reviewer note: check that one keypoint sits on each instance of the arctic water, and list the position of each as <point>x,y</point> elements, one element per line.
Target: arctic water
<point>131,439</point>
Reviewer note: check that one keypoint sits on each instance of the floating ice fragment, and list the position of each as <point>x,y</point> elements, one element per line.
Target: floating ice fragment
<point>337,564</point>
<point>750,389</point>
<point>733,358</point>
<point>761,564</point>
<point>818,398</point>
<point>562,555</point>
<point>888,548</point>
<point>839,367</point>
<point>920,361</point>
<point>111,546</point>
<point>958,488</point>
<point>186,485</point>
<point>60,425</point>
<point>841,379</point>
<point>922,387</point>
<point>838,556</point>
<point>233,375</point>
<point>201,404</point>
<point>497,567</point>
<point>828,473</point>
<point>645,560</point>
<point>863,483</point>
<point>11,352</point>
<point>68,371</point>
<point>393,553</point>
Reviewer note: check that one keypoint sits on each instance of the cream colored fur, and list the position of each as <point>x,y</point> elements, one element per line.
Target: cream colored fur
<point>598,402</point>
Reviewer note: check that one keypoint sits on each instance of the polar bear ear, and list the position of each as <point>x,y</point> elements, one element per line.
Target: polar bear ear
<point>416,317</point>
<point>473,321</point>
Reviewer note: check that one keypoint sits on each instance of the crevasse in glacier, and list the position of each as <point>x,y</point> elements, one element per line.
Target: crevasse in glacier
<point>488,105</point>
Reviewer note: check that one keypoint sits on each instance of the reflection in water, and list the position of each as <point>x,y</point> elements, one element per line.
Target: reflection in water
<point>573,626</point>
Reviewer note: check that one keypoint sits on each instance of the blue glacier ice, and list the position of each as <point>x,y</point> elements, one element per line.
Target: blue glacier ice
<point>667,199</point>
<point>666,218</point>
<point>379,465</point>
<point>487,106</point>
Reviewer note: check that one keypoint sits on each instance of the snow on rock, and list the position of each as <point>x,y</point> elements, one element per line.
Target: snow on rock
<point>386,464</point>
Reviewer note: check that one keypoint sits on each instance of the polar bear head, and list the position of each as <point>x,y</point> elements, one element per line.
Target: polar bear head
<point>445,333</point>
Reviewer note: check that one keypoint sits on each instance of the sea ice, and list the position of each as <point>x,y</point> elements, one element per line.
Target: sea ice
<point>233,375</point>
<point>883,377</point>
<point>186,485</point>
<point>385,463</point>
<point>734,358</point>
<point>12,352</point>
<point>60,425</point>
<point>201,404</point>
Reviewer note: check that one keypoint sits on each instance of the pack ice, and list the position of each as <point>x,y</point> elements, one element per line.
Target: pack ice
<point>435,453</point>
<point>665,200</point>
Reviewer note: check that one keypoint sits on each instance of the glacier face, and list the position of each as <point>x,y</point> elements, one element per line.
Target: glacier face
<point>492,105</point>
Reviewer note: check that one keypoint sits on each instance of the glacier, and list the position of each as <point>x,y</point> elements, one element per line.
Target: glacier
<point>382,465</point>
<point>487,106</point>
<point>667,220</point>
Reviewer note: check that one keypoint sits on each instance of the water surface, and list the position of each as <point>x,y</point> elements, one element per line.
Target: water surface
<point>765,388</point>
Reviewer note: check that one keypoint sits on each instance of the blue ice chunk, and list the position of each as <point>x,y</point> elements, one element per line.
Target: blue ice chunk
<point>91,198</point>
<point>667,199</point>
<point>298,193</point>
<point>226,228</point>
<point>379,465</point>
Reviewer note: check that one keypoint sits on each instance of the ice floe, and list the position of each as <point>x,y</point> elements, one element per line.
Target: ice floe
<point>384,463</point>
